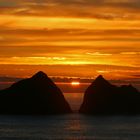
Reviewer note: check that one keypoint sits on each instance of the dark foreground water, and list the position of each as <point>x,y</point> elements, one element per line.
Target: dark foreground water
<point>69,127</point>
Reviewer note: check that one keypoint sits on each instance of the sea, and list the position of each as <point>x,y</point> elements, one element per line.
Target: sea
<point>69,127</point>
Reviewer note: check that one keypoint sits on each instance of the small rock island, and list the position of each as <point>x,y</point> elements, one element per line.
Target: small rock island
<point>103,98</point>
<point>35,95</point>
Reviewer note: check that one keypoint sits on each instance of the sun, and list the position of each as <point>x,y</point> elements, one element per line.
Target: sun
<point>75,83</point>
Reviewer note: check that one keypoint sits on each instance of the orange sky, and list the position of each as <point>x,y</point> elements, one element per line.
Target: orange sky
<point>94,35</point>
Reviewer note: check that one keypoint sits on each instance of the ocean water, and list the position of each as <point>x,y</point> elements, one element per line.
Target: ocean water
<point>75,100</point>
<point>69,127</point>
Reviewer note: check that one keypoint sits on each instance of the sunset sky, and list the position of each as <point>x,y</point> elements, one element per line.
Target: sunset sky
<point>80,38</point>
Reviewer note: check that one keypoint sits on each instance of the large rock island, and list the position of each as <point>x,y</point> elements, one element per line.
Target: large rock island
<point>103,98</point>
<point>35,95</point>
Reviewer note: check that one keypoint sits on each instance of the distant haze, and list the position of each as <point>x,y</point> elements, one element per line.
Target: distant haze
<point>65,83</point>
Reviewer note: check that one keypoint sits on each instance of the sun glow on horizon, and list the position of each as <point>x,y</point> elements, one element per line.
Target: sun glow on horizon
<point>75,83</point>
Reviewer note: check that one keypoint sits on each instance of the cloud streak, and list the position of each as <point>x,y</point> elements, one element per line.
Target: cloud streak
<point>103,9</point>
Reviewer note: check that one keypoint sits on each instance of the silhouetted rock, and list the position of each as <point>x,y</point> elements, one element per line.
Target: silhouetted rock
<point>103,98</point>
<point>35,95</point>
